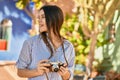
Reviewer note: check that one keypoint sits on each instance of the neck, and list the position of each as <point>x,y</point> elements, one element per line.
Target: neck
<point>56,41</point>
<point>55,38</point>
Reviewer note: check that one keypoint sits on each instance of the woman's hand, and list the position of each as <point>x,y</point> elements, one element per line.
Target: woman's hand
<point>64,72</point>
<point>43,67</point>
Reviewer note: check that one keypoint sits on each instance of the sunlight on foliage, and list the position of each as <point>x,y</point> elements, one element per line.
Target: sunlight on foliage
<point>72,31</point>
<point>21,4</point>
<point>38,5</point>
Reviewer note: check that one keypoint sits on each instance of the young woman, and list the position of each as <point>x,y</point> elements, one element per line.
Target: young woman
<point>40,51</point>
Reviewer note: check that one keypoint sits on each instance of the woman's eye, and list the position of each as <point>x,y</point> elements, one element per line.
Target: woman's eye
<point>43,16</point>
<point>38,18</point>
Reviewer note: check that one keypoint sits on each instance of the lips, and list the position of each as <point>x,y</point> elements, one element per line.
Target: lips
<point>41,25</point>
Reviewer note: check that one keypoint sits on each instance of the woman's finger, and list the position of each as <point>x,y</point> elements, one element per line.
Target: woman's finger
<point>65,65</point>
<point>43,68</point>
<point>44,64</point>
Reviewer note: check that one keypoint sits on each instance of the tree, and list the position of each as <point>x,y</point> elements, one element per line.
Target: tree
<point>99,13</point>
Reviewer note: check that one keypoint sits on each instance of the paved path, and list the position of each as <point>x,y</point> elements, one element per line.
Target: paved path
<point>8,71</point>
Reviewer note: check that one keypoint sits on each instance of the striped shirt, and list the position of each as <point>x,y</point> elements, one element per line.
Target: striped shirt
<point>34,49</point>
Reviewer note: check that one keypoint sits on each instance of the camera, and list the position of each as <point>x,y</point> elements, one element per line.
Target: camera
<point>55,66</point>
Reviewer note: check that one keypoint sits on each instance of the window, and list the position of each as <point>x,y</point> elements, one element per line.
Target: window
<point>5,34</point>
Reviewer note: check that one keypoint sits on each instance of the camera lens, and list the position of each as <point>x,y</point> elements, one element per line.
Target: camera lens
<point>56,69</point>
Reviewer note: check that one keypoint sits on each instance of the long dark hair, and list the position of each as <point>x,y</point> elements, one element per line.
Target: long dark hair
<point>54,20</point>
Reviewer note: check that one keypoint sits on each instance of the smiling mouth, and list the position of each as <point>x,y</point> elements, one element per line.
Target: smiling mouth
<point>41,25</point>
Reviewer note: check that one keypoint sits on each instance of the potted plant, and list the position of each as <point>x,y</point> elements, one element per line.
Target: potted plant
<point>3,44</point>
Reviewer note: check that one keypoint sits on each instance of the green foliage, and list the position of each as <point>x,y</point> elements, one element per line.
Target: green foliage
<point>102,39</point>
<point>21,4</point>
<point>73,32</point>
<point>109,51</point>
<point>116,53</point>
<point>102,66</point>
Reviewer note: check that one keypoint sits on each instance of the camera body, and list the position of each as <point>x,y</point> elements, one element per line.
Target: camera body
<point>55,66</point>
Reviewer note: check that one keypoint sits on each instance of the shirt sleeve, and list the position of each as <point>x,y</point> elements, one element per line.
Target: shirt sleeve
<point>71,61</point>
<point>24,57</point>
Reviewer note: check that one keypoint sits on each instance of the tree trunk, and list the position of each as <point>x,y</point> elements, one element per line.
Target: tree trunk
<point>90,58</point>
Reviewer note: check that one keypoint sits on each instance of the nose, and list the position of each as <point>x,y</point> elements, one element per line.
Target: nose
<point>39,20</point>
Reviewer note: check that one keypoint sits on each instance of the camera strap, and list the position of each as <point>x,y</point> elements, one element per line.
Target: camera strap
<point>64,54</point>
<point>46,76</point>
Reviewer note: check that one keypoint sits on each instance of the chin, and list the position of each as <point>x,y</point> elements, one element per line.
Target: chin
<point>42,31</point>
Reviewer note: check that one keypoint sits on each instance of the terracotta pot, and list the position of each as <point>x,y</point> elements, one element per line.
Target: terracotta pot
<point>3,44</point>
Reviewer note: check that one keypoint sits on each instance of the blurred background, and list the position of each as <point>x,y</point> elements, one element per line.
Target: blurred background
<point>93,26</point>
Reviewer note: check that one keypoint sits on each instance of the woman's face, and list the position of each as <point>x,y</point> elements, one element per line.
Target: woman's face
<point>42,21</point>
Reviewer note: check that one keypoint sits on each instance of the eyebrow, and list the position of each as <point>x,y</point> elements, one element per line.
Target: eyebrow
<point>42,14</point>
